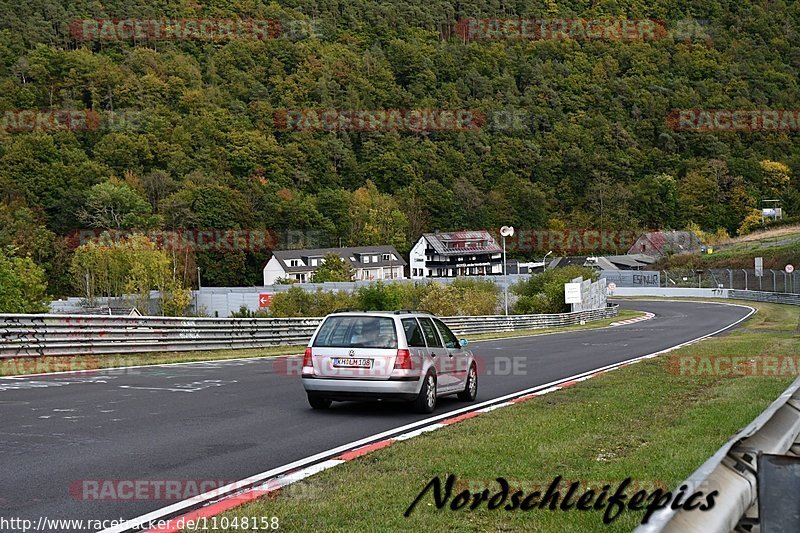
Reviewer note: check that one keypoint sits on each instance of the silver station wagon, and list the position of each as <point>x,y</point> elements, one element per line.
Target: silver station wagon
<point>400,355</point>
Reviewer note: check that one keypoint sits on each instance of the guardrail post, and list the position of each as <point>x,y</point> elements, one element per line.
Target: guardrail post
<point>745,278</point>
<point>730,278</point>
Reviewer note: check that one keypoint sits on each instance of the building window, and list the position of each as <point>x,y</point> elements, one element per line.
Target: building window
<point>386,257</point>
<point>365,259</point>
<point>375,258</point>
<point>294,263</point>
<point>313,262</point>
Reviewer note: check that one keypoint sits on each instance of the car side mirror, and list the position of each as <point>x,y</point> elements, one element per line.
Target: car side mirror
<point>463,343</point>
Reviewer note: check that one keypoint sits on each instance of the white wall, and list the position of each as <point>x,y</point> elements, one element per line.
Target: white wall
<point>669,292</point>
<point>417,259</point>
<point>273,271</point>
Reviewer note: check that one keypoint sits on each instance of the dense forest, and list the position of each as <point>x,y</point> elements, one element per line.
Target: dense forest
<point>574,135</point>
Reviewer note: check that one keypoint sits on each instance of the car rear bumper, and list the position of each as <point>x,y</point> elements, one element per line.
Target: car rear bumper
<point>360,389</point>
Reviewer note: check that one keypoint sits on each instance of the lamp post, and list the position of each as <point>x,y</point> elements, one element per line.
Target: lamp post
<point>505,231</point>
<point>544,260</point>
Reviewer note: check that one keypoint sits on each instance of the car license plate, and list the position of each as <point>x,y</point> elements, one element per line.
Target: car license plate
<point>339,362</point>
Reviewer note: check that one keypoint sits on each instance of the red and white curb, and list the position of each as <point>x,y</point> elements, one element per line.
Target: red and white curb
<point>646,316</point>
<point>270,482</point>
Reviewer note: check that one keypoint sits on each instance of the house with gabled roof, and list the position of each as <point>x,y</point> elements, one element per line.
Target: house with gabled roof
<point>368,262</point>
<point>459,253</point>
<point>661,243</point>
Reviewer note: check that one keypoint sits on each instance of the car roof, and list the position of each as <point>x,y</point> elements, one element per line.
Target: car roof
<point>400,313</point>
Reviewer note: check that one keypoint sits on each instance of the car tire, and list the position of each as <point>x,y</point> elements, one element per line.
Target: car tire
<point>426,399</point>
<point>318,403</point>
<point>470,391</point>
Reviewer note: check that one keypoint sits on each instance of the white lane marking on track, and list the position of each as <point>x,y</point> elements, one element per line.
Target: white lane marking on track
<point>189,387</point>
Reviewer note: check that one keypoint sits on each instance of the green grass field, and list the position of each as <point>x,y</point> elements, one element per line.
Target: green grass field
<point>642,421</point>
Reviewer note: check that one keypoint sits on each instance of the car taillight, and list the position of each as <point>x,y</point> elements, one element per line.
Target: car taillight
<point>307,357</point>
<point>403,360</point>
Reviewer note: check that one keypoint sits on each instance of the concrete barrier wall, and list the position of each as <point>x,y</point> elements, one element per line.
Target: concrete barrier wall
<point>667,292</point>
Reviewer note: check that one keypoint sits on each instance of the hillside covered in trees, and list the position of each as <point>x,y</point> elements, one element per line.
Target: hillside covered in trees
<point>574,133</point>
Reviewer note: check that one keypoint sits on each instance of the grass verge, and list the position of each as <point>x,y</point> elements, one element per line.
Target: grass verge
<point>643,421</point>
<point>40,365</point>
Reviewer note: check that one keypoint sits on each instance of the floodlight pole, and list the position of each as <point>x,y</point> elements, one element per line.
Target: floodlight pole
<point>505,275</point>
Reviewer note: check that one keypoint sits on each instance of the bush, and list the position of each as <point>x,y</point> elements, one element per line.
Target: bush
<point>297,302</point>
<point>544,293</point>
<point>379,296</point>
<point>462,297</point>
<point>245,312</point>
<point>22,284</point>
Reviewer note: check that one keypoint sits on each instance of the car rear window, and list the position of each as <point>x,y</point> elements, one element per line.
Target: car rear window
<point>357,332</point>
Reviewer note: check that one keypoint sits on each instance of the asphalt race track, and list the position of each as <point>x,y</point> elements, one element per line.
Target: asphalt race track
<point>230,420</point>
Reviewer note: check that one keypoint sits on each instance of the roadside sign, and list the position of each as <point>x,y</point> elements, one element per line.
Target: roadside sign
<point>612,286</point>
<point>759,267</point>
<point>264,300</point>
<point>572,293</point>
<point>789,269</point>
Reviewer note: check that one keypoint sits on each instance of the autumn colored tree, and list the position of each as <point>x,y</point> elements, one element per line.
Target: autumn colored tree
<point>333,268</point>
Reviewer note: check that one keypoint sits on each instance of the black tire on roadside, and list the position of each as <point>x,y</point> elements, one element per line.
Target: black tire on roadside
<point>470,391</point>
<point>318,403</point>
<point>426,399</point>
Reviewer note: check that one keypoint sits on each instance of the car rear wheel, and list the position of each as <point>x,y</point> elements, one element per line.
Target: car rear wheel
<point>426,400</point>
<point>318,403</point>
<point>470,391</point>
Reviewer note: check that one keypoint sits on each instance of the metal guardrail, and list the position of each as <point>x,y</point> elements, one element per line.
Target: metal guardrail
<point>770,297</point>
<point>55,335</point>
<point>734,471</point>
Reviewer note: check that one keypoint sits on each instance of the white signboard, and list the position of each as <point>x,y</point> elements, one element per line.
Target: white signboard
<point>789,269</point>
<point>572,293</point>
<point>612,287</point>
<point>759,267</point>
